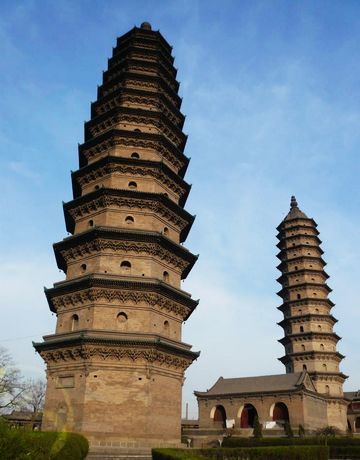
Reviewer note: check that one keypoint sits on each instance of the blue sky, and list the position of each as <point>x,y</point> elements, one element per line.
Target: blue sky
<point>271,96</point>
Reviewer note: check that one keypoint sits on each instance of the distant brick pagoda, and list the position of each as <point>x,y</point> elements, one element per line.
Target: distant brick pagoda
<point>310,342</point>
<point>310,394</point>
<point>115,365</point>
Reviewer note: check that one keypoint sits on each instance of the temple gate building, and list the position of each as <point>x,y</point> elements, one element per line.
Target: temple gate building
<point>311,392</point>
<point>116,362</point>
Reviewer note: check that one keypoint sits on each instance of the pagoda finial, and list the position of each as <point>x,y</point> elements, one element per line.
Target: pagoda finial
<point>293,202</point>
<point>146,25</point>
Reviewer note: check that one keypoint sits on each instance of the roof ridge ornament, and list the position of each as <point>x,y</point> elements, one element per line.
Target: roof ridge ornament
<point>145,25</point>
<point>293,202</point>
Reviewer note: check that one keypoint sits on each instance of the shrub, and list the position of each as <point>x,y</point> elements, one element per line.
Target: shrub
<point>176,454</point>
<point>301,431</point>
<point>19,445</point>
<point>288,430</point>
<point>350,452</point>
<point>255,453</point>
<point>257,429</point>
<point>305,441</point>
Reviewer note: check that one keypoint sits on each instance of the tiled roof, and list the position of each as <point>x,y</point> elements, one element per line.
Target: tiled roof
<point>265,383</point>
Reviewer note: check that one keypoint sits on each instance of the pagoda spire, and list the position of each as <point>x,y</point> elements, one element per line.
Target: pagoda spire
<point>309,339</point>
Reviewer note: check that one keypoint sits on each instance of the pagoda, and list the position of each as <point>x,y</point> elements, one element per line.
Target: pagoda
<point>116,362</point>
<point>309,339</point>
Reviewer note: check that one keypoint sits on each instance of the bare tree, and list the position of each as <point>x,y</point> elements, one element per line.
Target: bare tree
<point>34,395</point>
<point>11,384</point>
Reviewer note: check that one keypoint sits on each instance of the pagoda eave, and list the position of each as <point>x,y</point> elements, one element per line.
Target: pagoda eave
<point>284,231</point>
<point>113,136</point>
<point>286,261</point>
<point>144,35</point>
<point>305,301</point>
<point>290,357</point>
<point>106,88</point>
<point>304,285</point>
<point>308,335</point>
<point>123,283</point>
<point>286,275</point>
<point>301,246</point>
<point>300,318</point>
<point>282,226</point>
<point>316,375</point>
<point>117,111</point>
<point>117,234</point>
<point>133,92</point>
<point>138,165</point>
<point>121,340</point>
<point>90,198</point>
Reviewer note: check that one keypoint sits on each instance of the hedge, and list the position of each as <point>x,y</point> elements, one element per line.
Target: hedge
<point>306,441</point>
<point>21,445</point>
<point>350,452</point>
<point>246,453</point>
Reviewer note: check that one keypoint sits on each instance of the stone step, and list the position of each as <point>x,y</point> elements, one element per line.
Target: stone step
<point>111,453</point>
<point>118,456</point>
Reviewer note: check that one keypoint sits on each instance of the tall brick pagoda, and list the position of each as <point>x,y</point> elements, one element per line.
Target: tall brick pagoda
<point>115,365</point>
<point>309,339</point>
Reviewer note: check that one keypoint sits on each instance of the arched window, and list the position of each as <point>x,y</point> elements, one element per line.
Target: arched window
<point>97,187</point>
<point>166,231</point>
<point>137,130</point>
<point>166,277</point>
<point>132,184</point>
<point>83,267</point>
<point>248,416</point>
<point>316,310</point>
<point>324,367</point>
<point>129,220</point>
<point>304,367</point>
<point>135,155</point>
<point>298,296</point>
<point>302,347</point>
<point>300,311</point>
<point>74,322</point>
<point>125,266</point>
<point>295,267</point>
<point>166,328</point>
<point>322,348</point>
<point>319,327</point>
<point>122,317</point>
<point>327,389</point>
<point>301,328</point>
<point>91,223</point>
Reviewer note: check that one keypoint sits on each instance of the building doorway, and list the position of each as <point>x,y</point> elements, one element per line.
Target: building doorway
<point>280,413</point>
<point>248,416</point>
